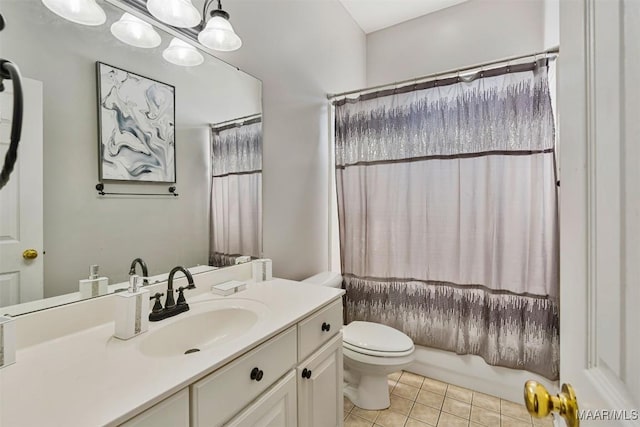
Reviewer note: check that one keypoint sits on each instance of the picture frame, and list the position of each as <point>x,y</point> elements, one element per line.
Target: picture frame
<point>136,127</point>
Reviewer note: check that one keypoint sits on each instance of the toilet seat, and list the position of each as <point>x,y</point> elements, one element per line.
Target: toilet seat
<point>374,339</point>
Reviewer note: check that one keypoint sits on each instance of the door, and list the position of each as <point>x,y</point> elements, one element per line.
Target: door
<point>21,228</point>
<point>275,408</point>
<point>599,124</point>
<point>320,387</point>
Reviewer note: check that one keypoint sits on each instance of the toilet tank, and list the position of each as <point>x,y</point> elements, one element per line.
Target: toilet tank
<point>326,278</point>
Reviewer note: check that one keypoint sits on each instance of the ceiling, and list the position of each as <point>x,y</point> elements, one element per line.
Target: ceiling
<point>374,15</point>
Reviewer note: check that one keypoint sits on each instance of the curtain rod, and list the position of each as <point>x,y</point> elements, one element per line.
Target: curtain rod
<point>237,120</point>
<point>549,52</point>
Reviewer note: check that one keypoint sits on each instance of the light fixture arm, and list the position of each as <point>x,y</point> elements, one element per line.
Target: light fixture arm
<point>214,12</point>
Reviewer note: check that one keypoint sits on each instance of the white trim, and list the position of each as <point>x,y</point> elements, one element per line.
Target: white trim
<point>591,237</point>
<point>631,200</point>
<point>334,235</point>
<point>592,224</point>
<point>613,390</point>
<point>472,372</point>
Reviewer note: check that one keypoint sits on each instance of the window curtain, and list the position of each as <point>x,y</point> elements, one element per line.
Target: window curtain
<point>448,217</point>
<point>236,194</point>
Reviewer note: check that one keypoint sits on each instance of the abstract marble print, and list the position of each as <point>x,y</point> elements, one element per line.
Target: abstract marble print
<point>137,127</point>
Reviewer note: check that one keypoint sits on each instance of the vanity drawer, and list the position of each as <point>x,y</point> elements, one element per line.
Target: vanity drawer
<point>319,328</point>
<point>216,398</point>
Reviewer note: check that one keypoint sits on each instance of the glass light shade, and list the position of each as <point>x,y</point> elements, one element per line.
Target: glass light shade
<point>135,32</point>
<point>85,12</point>
<point>178,13</point>
<point>219,35</point>
<point>182,53</point>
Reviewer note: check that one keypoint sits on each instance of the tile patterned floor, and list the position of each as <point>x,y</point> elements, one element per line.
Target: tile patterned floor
<point>417,401</point>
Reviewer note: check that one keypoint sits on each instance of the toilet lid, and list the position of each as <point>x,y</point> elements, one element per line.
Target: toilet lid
<point>376,339</point>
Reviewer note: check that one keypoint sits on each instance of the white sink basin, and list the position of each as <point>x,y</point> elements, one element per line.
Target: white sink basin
<point>206,324</point>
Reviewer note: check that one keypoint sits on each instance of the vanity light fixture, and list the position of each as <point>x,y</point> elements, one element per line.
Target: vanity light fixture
<point>182,53</point>
<point>177,13</point>
<point>85,12</point>
<point>135,32</point>
<point>218,34</point>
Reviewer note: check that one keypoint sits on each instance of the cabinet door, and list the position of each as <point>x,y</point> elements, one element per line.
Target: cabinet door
<point>320,402</point>
<point>171,412</point>
<point>275,408</point>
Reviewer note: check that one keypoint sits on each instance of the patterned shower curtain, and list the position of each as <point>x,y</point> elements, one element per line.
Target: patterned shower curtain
<point>449,216</point>
<point>236,193</point>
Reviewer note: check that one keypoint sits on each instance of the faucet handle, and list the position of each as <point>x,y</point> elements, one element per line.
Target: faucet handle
<point>157,306</point>
<point>180,291</point>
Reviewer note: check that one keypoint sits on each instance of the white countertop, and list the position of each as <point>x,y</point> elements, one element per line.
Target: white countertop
<point>89,378</point>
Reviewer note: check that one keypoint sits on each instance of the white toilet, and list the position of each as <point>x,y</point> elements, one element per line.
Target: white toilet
<point>371,352</point>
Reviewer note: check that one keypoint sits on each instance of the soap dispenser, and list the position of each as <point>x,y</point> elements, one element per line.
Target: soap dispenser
<point>132,310</point>
<point>94,285</point>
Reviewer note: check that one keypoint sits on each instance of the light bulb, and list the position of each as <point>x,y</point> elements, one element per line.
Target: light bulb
<point>178,13</point>
<point>182,53</point>
<point>219,35</point>
<point>135,32</point>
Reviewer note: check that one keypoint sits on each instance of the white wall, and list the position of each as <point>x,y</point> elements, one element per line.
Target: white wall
<point>466,34</point>
<point>80,227</point>
<point>301,50</point>
<point>551,23</point>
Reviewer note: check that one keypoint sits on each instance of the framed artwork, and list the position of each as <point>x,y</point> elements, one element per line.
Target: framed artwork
<point>136,127</point>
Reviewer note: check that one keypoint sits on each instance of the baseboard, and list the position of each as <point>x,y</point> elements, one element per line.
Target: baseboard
<point>473,372</point>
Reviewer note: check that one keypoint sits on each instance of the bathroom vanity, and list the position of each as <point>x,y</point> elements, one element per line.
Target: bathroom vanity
<point>269,355</point>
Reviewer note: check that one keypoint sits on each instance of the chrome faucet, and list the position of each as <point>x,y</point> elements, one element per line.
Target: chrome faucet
<point>143,265</point>
<point>171,307</point>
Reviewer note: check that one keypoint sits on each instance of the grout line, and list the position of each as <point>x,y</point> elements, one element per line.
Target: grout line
<point>444,396</point>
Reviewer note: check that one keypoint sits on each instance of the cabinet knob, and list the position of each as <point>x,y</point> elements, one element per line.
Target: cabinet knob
<point>256,374</point>
<point>326,327</point>
<point>306,373</point>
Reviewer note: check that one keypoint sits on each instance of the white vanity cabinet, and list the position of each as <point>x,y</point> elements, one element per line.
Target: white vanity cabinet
<point>320,401</point>
<point>216,398</point>
<point>319,371</point>
<point>275,408</point>
<point>318,328</point>
<point>171,412</point>
<point>293,379</point>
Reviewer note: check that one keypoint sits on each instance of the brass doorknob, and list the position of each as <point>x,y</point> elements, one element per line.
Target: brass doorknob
<point>30,254</point>
<point>540,403</point>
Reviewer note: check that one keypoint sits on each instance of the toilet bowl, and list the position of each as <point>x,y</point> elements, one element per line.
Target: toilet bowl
<point>371,352</point>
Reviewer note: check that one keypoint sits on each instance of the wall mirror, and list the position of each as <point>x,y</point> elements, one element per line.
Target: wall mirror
<point>216,148</point>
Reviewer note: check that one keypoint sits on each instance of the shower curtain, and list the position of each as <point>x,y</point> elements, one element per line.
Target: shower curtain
<point>448,216</point>
<point>236,193</point>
